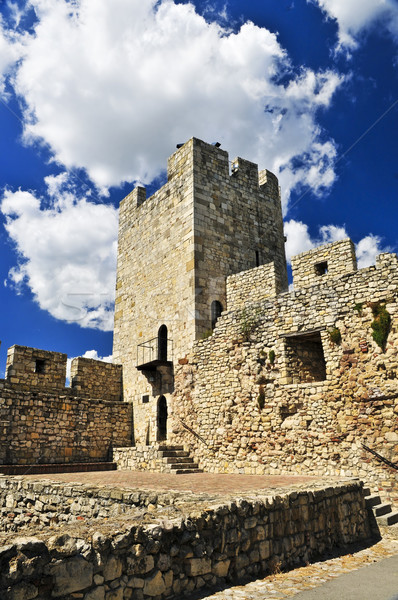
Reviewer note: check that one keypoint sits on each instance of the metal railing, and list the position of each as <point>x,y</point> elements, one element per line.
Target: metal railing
<point>156,349</point>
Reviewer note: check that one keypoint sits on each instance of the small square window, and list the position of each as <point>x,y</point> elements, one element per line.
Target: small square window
<point>321,268</point>
<point>40,366</point>
<point>145,399</point>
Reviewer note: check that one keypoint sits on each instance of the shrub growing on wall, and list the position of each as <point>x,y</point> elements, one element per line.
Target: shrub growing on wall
<point>380,324</point>
<point>335,335</point>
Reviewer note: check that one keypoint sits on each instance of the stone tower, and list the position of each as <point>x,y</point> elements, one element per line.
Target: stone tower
<point>175,250</point>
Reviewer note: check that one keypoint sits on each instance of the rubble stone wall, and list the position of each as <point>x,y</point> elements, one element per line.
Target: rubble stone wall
<point>324,262</point>
<point>251,413</point>
<point>39,426</point>
<point>96,379</point>
<point>214,544</point>
<point>32,367</point>
<point>252,286</point>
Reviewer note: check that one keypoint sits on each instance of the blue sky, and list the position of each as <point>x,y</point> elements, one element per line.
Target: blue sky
<point>94,96</point>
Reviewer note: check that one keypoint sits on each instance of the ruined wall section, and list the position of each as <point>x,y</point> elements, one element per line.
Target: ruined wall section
<point>252,286</point>
<point>96,379</point>
<point>205,543</point>
<point>253,418</point>
<point>238,225</point>
<point>42,427</point>
<point>32,367</point>
<point>327,261</point>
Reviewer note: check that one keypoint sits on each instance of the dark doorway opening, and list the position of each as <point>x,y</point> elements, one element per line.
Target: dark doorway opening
<point>162,419</point>
<point>162,343</point>
<point>216,310</point>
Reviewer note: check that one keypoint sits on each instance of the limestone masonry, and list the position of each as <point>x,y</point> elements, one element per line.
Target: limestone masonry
<point>214,353</point>
<point>217,365</point>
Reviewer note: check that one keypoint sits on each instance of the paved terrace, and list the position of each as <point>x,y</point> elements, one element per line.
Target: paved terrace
<point>211,483</point>
<point>307,582</point>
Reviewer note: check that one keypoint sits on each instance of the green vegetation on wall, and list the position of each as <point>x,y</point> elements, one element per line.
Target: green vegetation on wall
<point>380,324</point>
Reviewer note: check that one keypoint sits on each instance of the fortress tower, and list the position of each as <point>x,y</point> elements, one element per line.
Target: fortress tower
<point>175,251</point>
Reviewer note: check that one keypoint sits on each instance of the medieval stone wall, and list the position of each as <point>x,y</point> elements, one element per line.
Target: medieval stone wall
<point>96,379</point>
<point>209,544</point>
<point>327,261</point>
<point>270,392</point>
<point>252,286</point>
<point>175,251</point>
<point>33,367</point>
<point>42,421</point>
<point>38,426</point>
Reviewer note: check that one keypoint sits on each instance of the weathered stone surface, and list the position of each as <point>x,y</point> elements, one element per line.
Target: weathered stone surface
<point>113,568</point>
<point>97,594</point>
<point>71,575</point>
<point>198,566</point>
<point>209,542</point>
<point>154,585</point>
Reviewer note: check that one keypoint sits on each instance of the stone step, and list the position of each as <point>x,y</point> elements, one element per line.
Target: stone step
<point>367,491</point>
<point>381,509</point>
<point>185,471</point>
<point>178,459</point>
<point>173,453</point>
<point>191,465</point>
<point>372,500</point>
<point>389,519</point>
<point>172,448</point>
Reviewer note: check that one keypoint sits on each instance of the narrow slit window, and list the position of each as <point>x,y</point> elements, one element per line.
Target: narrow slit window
<point>257,258</point>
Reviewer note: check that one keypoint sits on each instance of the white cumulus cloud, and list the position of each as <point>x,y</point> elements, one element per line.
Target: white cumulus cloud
<point>111,87</point>
<point>354,17</point>
<point>66,252</point>
<point>299,240</point>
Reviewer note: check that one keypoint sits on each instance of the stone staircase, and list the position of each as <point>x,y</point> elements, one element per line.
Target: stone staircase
<point>382,512</point>
<point>177,460</point>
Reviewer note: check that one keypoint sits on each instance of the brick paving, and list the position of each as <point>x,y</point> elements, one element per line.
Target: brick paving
<point>212,483</point>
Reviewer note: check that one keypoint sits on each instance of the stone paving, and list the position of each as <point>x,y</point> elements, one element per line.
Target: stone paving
<point>213,483</point>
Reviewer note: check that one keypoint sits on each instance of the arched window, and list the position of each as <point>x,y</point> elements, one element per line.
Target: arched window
<point>216,310</point>
<point>162,343</point>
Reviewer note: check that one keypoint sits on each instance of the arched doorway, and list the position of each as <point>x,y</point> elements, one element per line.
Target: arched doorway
<point>162,343</point>
<point>162,419</point>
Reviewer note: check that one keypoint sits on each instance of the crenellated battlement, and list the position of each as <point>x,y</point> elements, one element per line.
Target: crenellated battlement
<point>322,263</point>
<point>32,368</point>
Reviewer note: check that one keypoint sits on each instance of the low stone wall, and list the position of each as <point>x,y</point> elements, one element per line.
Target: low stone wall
<point>42,504</point>
<point>140,458</point>
<point>38,426</point>
<point>214,544</point>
